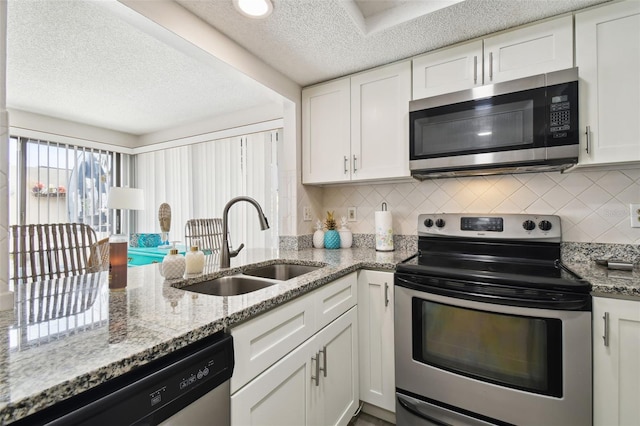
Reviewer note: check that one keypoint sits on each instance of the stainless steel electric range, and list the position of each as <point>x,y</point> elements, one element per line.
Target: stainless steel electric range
<point>490,326</point>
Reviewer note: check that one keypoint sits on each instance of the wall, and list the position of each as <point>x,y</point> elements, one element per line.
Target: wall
<point>594,206</point>
<point>6,297</point>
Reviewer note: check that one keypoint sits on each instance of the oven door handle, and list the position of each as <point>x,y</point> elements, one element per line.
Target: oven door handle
<point>413,409</point>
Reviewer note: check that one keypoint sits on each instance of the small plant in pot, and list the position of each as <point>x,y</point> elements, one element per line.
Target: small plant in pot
<point>331,237</point>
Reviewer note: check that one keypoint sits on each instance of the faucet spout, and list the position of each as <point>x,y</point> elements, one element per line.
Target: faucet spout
<point>225,253</point>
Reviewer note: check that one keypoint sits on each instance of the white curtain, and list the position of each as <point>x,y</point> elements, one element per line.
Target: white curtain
<point>198,180</point>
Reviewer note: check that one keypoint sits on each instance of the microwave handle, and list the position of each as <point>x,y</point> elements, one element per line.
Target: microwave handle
<point>587,132</point>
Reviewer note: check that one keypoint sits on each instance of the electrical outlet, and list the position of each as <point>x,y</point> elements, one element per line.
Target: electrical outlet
<point>634,212</point>
<point>306,214</point>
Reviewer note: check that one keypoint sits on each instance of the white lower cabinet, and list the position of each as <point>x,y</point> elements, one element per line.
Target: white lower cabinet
<point>282,380</point>
<point>375,320</point>
<point>316,384</point>
<point>616,361</point>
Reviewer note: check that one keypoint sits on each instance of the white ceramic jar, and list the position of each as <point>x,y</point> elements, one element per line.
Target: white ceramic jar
<point>318,236</point>
<point>173,265</point>
<point>194,261</point>
<point>346,236</point>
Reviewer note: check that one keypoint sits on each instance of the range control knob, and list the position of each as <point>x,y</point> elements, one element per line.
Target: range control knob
<point>545,225</point>
<point>428,223</point>
<point>529,225</point>
<point>440,223</point>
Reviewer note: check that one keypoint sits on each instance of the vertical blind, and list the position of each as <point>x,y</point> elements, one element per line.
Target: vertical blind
<point>53,182</point>
<point>198,180</point>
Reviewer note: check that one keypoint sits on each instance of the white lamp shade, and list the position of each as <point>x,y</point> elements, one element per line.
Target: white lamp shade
<point>125,198</point>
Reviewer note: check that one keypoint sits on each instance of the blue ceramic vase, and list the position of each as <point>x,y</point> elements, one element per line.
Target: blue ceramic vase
<point>332,239</point>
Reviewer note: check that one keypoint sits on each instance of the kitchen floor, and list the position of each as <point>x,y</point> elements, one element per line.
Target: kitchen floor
<point>364,419</point>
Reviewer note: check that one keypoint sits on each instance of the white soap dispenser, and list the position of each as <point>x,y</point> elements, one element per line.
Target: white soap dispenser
<point>195,260</point>
<point>173,265</point>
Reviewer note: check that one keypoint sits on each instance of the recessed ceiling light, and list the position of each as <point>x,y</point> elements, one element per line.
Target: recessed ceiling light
<point>256,9</point>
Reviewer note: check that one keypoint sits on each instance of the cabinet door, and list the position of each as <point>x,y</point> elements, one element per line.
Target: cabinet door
<point>262,341</point>
<point>282,395</point>
<point>447,70</point>
<point>338,354</point>
<point>380,122</point>
<point>608,58</point>
<point>326,133</point>
<point>527,51</point>
<point>376,337</point>
<point>616,370</point>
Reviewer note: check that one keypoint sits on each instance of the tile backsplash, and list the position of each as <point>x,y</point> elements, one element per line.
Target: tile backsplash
<point>593,206</point>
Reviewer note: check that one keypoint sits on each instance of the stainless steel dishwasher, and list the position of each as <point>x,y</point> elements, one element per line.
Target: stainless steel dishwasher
<point>187,387</point>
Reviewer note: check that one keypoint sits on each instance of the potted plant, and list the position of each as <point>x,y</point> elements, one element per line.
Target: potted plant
<point>331,237</point>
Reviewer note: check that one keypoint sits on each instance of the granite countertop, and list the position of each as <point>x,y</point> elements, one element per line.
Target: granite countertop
<point>608,282</point>
<point>66,336</point>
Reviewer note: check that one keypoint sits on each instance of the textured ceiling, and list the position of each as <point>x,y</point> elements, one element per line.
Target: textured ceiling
<point>317,40</point>
<point>77,60</point>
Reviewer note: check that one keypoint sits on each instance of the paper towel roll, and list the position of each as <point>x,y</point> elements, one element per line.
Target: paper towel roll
<point>384,231</point>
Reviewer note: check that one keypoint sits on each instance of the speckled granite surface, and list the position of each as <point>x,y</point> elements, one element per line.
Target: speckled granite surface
<point>66,336</point>
<point>607,282</point>
<point>580,258</point>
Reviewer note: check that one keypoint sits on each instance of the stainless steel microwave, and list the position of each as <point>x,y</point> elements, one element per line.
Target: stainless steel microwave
<point>518,126</point>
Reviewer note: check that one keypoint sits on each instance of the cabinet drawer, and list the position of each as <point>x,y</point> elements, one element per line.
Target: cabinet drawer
<point>262,341</point>
<point>335,299</point>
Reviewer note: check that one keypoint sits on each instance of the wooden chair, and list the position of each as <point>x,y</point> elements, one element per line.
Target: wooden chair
<point>42,252</point>
<point>205,233</point>
<point>99,256</point>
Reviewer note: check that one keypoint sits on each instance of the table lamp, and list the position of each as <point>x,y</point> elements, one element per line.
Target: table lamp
<point>121,198</point>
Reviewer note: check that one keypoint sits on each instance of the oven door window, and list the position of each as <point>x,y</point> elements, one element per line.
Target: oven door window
<point>505,122</point>
<point>514,351</point>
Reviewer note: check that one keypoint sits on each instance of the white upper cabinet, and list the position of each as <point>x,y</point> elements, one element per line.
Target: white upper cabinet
<point>531,50</point>
<point>380,123</point>
<point>326,132</point>
<point>448,70</point>
<point>608,59</point>
<point>357,128</point>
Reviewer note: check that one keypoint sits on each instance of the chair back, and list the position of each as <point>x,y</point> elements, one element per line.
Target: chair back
<point>205,233</point>
<point>42,252</point>
<point>99,256</point>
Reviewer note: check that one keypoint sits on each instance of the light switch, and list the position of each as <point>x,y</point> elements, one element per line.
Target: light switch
<point>306,214</point>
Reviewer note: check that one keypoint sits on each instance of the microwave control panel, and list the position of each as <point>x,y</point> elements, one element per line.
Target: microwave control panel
<point>560,120</point>
<point>562,117</point>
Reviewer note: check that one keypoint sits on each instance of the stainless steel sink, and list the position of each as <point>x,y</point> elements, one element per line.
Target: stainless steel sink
<point>280,271</point>
<point>231,285</point>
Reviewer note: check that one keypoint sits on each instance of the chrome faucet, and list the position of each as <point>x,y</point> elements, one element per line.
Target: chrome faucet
<point>225,253</point>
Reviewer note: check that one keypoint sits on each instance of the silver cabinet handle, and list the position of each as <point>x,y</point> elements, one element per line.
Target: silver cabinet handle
<point>490,66</point>
<point>345,164</point>
<point>386,294</point>
<point>316,359</point>
<point>587,133</point>
<point>606,329</point>
<point>324,364</point>
<point>475,70</point>
<point>355,169</point>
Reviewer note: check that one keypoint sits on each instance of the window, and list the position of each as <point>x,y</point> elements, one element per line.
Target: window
<point>52,182</point>
<point>198,180</point>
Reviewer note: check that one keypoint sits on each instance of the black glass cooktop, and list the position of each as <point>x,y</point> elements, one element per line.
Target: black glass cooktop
<point>532,265</point>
